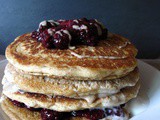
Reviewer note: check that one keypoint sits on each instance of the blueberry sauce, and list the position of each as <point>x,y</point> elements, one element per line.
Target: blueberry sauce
<point>51,115</point>
<point>91,114</point>
<point>61,34</point>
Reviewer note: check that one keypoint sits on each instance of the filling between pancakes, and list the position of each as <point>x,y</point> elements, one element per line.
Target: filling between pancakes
<point>116,113</point>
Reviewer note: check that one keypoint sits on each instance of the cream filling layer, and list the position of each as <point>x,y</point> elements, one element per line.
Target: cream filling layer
<point>10,87</point>
<point>102,91</point>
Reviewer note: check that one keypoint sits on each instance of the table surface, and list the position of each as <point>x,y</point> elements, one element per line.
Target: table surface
<point>154,62</point>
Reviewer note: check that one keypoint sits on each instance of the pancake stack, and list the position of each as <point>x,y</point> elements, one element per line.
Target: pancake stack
<point>84,82</point>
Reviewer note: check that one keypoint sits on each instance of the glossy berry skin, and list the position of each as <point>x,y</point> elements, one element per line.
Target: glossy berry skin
<point>35,34</point>
<point>94,114</point>
<point>51,115</point>
<point>47,26</point>
<point>18,104</point>
<point>46,39</point>
<point>34,109</point>
<point>108,111</point>
<point>104,31</point>
<point>60,27</point>
<point>90,41</point>
<point>61,40</point>
<point>118,111</point>
<point>67,23</point>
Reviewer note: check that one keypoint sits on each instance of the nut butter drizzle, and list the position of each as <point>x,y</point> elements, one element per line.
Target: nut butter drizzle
<point>103,57</point>
<point>94,57</point>
<point>124,45</point>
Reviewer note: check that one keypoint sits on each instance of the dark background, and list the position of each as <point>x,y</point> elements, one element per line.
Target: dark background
<point>138,20</point>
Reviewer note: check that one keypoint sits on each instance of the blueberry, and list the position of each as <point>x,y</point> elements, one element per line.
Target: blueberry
<point>108,111</point>
<point>51,115</point>
<point>93,114</point>
<point>104,34</point>
<point>91,41</point>
<point>34,109</point>
<point>60,27</point>
<point>35,34</point>
<point>61,40</point>
<point>64,23</point>
<point>81,113</point>
<point>96,114</point>
<point>18,104</point>
<point>46,39</point>
<point>47,26</point>
<point>118,111</point>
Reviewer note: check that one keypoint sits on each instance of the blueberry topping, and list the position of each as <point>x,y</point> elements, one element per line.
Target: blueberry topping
<point>108,111</point>
<point>46,39</point>
<point>93,114</point>
<point>62,39</point>
<point>34,109</point>
<point>51,115</point>
<point>81,31</point>
<point>118,111</point>
<point>18,104</point>
<point>35,34</point>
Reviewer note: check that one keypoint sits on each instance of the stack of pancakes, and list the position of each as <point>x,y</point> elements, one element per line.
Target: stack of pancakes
<point>71,80</point>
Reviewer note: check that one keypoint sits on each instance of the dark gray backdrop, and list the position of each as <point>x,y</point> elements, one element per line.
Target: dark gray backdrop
<point>138,20</point>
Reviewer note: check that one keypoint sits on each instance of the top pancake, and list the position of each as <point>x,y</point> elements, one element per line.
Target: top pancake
<point>111,58</point>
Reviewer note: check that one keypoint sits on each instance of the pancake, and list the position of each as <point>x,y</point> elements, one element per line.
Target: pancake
<point>111,58</point>
<point>69,88</point>
<point>61,103</point>
<point>17,113</point>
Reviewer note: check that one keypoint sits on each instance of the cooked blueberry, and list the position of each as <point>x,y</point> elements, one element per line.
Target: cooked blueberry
<point>92,41</point>
<point>118,111</point>
<point>68,23</point>
<point>47,25</point>
<point>108,111</point>
<point>104,34</point>
<point>46,39</point>
<point>48,42</point>
<point>81,113</point>
<point>93,31</point>
<point>18,104</point>
<point>75,38</point>
<point>35,34</point>
<point>60,27</point>
<point>51,115</point>
<point>34,109</point>
<point>64,23</point>
<point>62,39</point>
<point>83,35</point>
<point>94,114</point>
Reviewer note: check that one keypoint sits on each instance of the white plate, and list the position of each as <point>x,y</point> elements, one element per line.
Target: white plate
<point>146,105</point>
